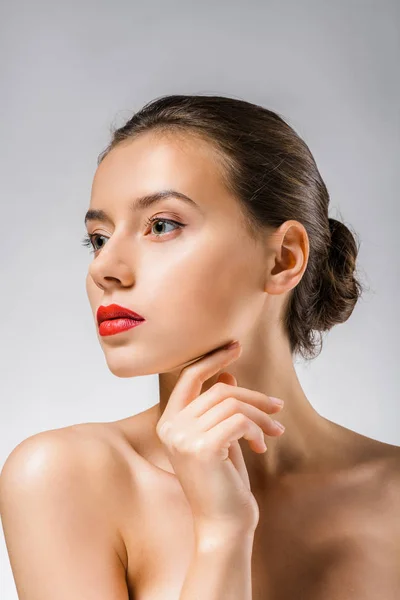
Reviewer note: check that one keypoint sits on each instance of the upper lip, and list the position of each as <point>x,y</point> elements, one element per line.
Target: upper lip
<point>113,311</point>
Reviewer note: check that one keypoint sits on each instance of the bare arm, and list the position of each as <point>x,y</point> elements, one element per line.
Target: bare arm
<point>220,570</point>
<point>58,527</point>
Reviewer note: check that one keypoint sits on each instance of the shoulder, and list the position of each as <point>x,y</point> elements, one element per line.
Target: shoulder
<point>65,467</point>
<point>392,482</point>
<point>68,450</point>
<point>374,467</point>
<point>385,461</point>
<point>392,479</point>
<point>387,485</point>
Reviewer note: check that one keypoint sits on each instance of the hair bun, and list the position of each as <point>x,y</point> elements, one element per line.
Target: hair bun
<point>340,289</point>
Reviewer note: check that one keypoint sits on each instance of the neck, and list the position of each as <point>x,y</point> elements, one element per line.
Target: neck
<point>307,443</point>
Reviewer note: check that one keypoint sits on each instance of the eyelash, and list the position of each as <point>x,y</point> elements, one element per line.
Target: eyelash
<point>88,239</point>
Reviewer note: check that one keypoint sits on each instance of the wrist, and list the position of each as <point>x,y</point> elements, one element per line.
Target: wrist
<point>211,537</point>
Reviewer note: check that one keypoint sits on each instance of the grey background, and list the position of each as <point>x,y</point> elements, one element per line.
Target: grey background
<point>71,70</point>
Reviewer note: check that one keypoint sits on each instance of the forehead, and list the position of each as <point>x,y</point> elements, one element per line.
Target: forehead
<point>155,161</point>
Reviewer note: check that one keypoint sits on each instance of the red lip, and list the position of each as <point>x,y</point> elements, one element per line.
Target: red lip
<point>114,311</point>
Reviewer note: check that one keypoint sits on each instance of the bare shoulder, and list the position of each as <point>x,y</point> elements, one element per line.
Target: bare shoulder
<point>359,449</point>
<point>384,459</point>
<point>59,514</point>
<point>370,470</point>
<point>83,445</point>
<point>392,467</point>
<point>391,482</point>
<point>81,459</point>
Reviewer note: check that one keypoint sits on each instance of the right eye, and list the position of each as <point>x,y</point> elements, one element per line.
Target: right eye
<point>88,241</point>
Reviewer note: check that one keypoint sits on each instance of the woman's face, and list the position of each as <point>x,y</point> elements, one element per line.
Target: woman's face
<point>198,286</point>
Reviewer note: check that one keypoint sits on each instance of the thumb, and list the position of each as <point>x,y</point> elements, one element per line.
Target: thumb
<point>225,377</point>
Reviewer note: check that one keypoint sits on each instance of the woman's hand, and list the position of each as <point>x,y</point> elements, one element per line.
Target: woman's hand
<point>200,434</point>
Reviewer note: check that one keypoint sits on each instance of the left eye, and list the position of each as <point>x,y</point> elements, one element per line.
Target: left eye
<point>88,239</point>
<point>153,220</point>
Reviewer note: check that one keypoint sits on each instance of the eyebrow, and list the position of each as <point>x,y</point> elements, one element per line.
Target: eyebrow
<point>140,204</point>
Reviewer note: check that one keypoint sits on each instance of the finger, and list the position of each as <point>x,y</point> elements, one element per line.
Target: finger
<point>232,429</point>
<point>235,453</point>
<point>192,377</point>
<point>221,391</point>
<point>228,378</point>
<point>230,406</point>
<point>236,456</point>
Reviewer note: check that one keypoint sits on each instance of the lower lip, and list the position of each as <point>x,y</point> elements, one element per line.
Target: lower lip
<point>114,326</point>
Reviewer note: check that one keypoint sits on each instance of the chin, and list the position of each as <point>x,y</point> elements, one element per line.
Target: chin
<point>123,366</point>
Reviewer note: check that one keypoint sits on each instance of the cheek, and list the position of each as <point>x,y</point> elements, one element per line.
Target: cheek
<point>205,288</point>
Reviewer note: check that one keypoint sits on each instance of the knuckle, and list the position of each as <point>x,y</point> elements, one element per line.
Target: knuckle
<point>180,440</point>
<point>198,445</point>
<point>232,403</point>
<point>220,387</point>
<point>162,428</point>
<point>192,370</point>
<point>241,419</point>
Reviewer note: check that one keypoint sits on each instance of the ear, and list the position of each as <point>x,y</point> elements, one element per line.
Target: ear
<point>290,248</point>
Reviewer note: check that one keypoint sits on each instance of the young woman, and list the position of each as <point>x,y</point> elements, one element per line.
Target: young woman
<point>209,223</point>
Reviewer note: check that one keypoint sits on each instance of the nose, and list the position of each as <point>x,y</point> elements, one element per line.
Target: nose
<point>112,266</point>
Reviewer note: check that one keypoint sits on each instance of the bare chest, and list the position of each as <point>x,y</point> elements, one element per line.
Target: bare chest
<point>318,544</point>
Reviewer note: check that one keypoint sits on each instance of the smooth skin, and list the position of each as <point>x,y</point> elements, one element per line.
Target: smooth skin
<point>72,500</point>
<point>200,434</point>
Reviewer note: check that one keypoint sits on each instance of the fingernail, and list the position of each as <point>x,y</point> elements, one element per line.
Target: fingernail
<point>277,401</point>
<point>230,345</point>
<point>282,427</point>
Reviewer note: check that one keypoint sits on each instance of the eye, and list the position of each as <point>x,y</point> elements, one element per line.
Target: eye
<point>88,241</point>
<point>160,220</point>
<point>90,237</point>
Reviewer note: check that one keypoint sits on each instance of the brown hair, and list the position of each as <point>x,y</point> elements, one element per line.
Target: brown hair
<point>271,171</point>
